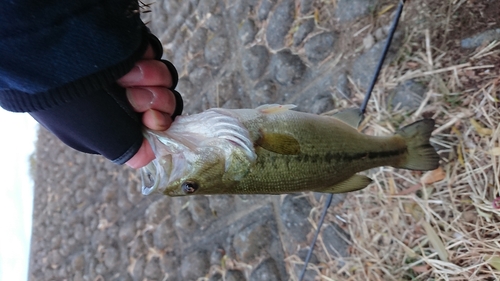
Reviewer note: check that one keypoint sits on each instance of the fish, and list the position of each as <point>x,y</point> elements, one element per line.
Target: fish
<point>273,149</point>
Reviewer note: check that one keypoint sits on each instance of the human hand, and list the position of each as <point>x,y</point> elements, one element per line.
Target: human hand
<point>147,91</point>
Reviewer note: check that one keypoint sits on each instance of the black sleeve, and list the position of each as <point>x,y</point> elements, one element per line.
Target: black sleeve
<point>59,61</point>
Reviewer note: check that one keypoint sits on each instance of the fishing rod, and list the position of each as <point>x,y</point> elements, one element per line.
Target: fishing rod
<point>362,110</point>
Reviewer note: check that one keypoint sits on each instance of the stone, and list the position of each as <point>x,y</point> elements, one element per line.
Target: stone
<point>348,10</point>
<point>252,241</point>
<point>264,92</point>
<point>264,9</point>
<point>221,204</point>
<point>368,41</point>
<point>198,40</point>
<point>306,6</point>
<point>153,269</point>
<point>195,265</point>
<point>342,86</point>
<point>266,270</point>
<point>255,61</point>
<point>335,240</point>
<point>480,39</point>
<point>138,248</point>
<point>280,23</point>
<point>287,68</point>
<point>78,262</point>
<point>247,31</point>
<point>408,94</point>
<point>238,10</point>
<point>217,255</point>
<point>304,29</point>
<point>127,232</point>
<point>319,46</point>
<point>185,221</point>
<point>323,102</point>
<point>112,212</point>
<point>200,210</point>
<point>111,257</point>
<point>148,239</point>
<point>164,236</point>
<point>235,275</point>
<point>138,270</point>
<point>157,211</point>
<point>294,212</point>
<point>215,23</point>
<point>216,51</point>
<point>216,277</point>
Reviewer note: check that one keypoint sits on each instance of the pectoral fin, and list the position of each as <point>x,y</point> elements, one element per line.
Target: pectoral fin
<point>353,183</point>
<point>351,116</point>
<point>279,143</point>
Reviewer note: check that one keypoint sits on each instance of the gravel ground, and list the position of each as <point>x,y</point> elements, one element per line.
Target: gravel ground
<point>91,221</point>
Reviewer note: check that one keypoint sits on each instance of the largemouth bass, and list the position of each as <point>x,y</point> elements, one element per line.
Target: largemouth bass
<point>274,150</point>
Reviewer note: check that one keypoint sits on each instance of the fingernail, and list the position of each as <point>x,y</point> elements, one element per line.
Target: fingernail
<point>140,99</point>
<point>135,75</point>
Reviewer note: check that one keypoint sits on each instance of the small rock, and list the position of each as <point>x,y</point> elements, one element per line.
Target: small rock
<point>319,46</point>
<point>481,38</point>
<point>157,211</point>
<point>78,262</point>
<point>380,34</point>
<point>306,6</point>
<point>164,236</point>
<point>264,92</point>
<point>138,248</point>
<point>239,10</point>
<point>198,40</point>
<point>351,9</point>
<point>255,60</point>
<point>148,239</point>
<point>217,255</point>
<point>323,102</point>
<point>368,41</point>
<point>267,270</point>
<point>264,9</point>
<point>216,51</point>
<point>127,232</point>
<point>200,210</point>
<point>304,29</point>
<point>221,204</point>
<point>287,68</point>
<point>112,212</point>
<point>138,271</point>
<point>342,86</point>
<point>252,241</point>
<point>215,23</point>
<point>235,275</point>
<point>153,269</point>
<point>408,94</point>
<point>279,24</point>
<point>247,31</point>
<point>294,213</point>
<point>195,265</point>
<point>216,277</point>
<point>206,7</point>
<point>184,221</point>
<point>334,239</point>
<point>111,257</point>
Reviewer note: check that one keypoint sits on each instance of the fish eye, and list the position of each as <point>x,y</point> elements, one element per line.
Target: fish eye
<point>189,187</point>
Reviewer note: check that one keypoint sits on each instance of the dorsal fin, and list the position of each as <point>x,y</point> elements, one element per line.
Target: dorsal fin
<point>274,108</point>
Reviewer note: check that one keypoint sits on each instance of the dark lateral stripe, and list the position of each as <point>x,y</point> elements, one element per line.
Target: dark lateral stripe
<point>341,156</point>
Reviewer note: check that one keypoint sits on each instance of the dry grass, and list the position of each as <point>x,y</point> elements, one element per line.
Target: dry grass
<point>443,224</point>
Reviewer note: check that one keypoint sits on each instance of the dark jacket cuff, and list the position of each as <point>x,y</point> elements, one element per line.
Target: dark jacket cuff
<point>99,123</point>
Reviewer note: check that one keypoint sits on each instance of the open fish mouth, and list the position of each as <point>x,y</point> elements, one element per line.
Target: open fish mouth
<point>178,148</point>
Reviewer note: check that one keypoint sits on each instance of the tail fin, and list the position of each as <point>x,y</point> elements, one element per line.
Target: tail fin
<point>421,155</point>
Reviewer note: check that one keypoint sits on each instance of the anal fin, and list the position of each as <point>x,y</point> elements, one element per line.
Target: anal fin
<point>353,183</point>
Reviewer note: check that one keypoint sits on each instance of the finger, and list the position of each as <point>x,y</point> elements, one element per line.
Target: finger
<point>156,120</point>
<point>142,157</point>
<point>157,98</point>
<point>149,54</point>
<point>147,73</point>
